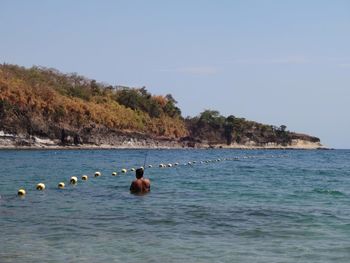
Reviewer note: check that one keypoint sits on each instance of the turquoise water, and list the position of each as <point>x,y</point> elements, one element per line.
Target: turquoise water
<point>280,206</point>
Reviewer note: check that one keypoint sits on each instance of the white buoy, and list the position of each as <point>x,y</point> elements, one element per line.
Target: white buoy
<point>143,168</point>
<point>73,180</point>
<point>161,165</point>
<point>114,173</point>
<point>21,192</point>
<point>40,187</point>
<point>132,169</point>
<point>124,171</point>
<point>61,185</point>
<point>150,166</point>
<point>84,177</point>
<point>97,174</point>
<point>170,165</point>
<point>176,164</point>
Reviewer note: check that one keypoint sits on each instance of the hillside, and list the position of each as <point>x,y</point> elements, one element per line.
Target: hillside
<point>39,104</point>
<point>214,129</point>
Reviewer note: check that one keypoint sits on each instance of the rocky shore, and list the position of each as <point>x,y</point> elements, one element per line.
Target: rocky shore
<point>134,141</point>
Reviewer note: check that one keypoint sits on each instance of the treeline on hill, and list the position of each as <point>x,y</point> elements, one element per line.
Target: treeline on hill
<point>45,102</point>
<point>214,128</point>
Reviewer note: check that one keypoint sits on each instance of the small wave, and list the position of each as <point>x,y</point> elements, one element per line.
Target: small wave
<point>328,191</point>
<point>246,167</point>
<point>253,233</point>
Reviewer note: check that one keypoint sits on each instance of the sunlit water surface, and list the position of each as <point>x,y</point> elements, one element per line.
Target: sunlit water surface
<point>281,206</point>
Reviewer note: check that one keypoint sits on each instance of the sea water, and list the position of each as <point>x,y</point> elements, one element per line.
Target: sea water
<point>261,206</point>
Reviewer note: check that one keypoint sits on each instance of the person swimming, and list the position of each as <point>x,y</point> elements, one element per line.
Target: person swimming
<point>140,185</point>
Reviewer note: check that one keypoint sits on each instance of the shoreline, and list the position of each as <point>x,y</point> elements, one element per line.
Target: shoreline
<point>114,147</point>
<point>21,142</point>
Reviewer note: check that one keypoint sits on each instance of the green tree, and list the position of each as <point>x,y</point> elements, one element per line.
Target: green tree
<point>171,110</point>
<point>283,128</point>
<point>128,98</point>
<point>228,128</point>
<point>209,116</point>
<point>95,89</point>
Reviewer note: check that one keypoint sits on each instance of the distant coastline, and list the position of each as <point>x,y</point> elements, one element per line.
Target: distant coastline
<point>42,108</point>
<point>11,141</point>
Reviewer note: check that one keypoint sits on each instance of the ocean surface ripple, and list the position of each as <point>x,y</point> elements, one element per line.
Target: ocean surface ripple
<point>279,206</point>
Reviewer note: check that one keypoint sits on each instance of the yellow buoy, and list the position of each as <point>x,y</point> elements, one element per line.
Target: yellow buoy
<point>84,177</point>
<point>73,180</point>
<point>21,192</point>
<point>40,187</point>
<point>61,185</point>
<point>97,174</point>
<point>114,173</point>
<point>124,171</point>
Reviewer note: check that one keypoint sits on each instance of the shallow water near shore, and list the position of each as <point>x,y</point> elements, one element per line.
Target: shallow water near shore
<point>280,206</point>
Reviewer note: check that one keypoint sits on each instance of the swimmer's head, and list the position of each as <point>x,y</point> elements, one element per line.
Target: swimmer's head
<point>139,173</point>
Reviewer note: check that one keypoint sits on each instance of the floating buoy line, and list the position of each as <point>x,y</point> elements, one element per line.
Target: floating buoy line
<point>74,179</point>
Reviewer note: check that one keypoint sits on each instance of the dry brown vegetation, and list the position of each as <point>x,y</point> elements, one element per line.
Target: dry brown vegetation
<point>43,101</point>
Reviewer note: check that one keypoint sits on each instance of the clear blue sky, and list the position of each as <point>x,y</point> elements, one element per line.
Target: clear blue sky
<point>276,62</point>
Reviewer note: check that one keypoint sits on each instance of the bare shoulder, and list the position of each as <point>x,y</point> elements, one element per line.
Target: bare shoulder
<point>135,185</point>
<point>137,182</point>
<point>147,182</point>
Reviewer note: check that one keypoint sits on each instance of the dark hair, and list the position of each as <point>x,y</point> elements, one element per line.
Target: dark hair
<point>139,173</point>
